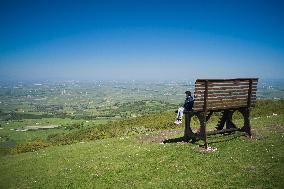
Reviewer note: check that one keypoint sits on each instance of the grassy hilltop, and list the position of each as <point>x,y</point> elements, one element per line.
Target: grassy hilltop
<point>129,153</point>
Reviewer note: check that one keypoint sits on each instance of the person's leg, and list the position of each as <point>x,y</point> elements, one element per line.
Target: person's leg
<point>180,112</point>
<point>179,115</point>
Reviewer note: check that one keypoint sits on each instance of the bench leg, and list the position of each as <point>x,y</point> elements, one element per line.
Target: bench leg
<point>188,134</point>
<point>229,120</point>
<point>222,120</point>
<point>246,114</point>
<point>203,134</point>
<point>187,129</point>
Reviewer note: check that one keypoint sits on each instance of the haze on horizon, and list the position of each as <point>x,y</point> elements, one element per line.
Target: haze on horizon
<point>142,40</point>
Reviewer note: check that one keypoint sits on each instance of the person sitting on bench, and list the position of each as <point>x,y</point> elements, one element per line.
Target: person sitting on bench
<point>188,104</point>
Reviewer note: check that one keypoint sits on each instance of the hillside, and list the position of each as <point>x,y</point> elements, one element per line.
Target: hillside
<point>141,160</point>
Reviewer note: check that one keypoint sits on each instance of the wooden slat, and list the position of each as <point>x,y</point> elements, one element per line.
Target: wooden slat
<point>225,88</point>
<point>227,80</point>
<point>198,89</point>
<point>223,100</point>
<point>228,101</point>
<point>225,84</point>
<point>235,81</point>
<point>199,103</point>
<point>213,90</point>
<point>220,107</point>
<point>223,107</point>
<point>198,93</point>
<point>235,94</point>
<point>229,92</point>
<point>201,87</point>
<point>223,96</point>
<point>222,104</point>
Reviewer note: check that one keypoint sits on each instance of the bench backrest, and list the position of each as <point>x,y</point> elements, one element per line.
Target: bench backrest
<point>221,94</point>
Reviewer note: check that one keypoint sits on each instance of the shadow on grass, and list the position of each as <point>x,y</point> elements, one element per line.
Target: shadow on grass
<point>180,139</point>
<point>211,139</point>
<point>225,137</point>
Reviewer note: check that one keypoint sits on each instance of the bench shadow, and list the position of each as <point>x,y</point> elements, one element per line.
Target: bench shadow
<point>180,139</point>
<point>222,138</point>
<point>226,137</point>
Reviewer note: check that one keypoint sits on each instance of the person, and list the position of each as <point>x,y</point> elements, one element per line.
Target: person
<point>187,106</point>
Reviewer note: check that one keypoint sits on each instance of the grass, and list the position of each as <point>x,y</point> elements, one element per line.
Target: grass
<point>128,162</point>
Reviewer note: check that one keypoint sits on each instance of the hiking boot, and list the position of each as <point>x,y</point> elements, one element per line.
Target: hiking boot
<point>178,122</point>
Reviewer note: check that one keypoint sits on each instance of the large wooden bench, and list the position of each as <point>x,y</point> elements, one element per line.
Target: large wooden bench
<point>225,96</point>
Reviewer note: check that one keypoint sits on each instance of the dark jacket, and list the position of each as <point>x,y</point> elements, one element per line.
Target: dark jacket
<point>188,103</point>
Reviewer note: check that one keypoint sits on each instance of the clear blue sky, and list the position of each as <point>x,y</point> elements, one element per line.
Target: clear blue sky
<point>141,39</point>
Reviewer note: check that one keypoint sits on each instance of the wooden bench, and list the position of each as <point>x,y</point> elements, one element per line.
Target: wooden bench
<point>225,96</point>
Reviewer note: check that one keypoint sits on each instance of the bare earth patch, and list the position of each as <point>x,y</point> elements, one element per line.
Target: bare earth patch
<point>262,133</point>
<point>37,127</point>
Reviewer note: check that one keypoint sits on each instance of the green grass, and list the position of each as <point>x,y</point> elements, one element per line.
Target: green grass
<point>128,162</point>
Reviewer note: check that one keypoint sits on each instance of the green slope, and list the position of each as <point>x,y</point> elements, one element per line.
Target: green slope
<point>136,162</point>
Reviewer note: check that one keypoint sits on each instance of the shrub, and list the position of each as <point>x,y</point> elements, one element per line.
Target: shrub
<point>29,146</point>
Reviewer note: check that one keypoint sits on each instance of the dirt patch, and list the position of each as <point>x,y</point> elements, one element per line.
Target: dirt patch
<point>276,127</point>
<point>270,128</point>
<point>160,136</point>
<point>37,127</point>
<point>262,133</point>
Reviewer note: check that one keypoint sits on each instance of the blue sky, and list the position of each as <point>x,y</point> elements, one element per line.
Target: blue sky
<point>89,40</point>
